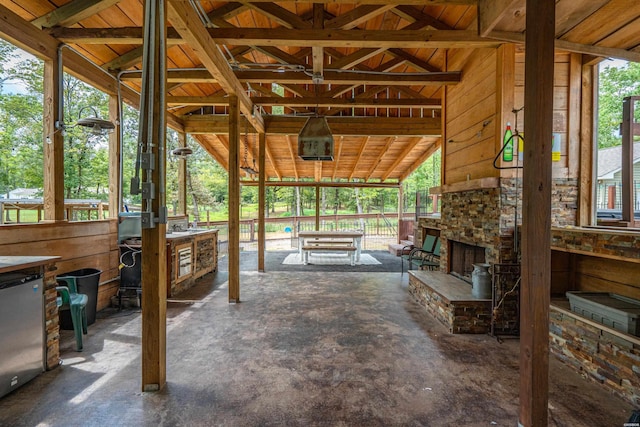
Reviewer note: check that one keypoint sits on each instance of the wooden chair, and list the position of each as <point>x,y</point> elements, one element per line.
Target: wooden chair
<point>430,242</point>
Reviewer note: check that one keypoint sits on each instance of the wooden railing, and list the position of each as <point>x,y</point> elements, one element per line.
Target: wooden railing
<point>23,211</point>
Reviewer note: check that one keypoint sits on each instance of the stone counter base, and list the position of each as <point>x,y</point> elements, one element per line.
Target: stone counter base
<point>450,301</point>
<point>602,354</point>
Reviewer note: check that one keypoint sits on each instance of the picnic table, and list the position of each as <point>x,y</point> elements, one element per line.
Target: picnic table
<point>330,240</point>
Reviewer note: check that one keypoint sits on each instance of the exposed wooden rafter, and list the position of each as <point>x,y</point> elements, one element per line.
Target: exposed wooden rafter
<point>72,13</point>
<point>429,39</point>
<point>188,24</point>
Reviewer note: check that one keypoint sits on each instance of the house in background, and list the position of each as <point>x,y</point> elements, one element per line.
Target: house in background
<point>609,175</point>
<point>23,193</point>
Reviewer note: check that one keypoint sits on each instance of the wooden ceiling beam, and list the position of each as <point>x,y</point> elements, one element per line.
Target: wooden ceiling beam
<point>384,2</point>
<point>26,36</point>
<point>272,159</point>
<point>222,159</point>
<point>293,77</point>
<point>347,126</point>
<point>408,149</point>
<point>317,52</point>
<point>360,153</point>
<point>381,155</point>
<point>415,15</point>
<point>415,165</point>
<point>355,102</point>
<point>368,94</point>
<point>292,156</point>
<point>606,52</point>
<point>347,38</point>
<point>415,62</point>
<point>490,12</point>
<point>72,13</point>
<point>279,14</point>
<point>187,23</point>
<point>357,57</point>
<point>298,90</point>
<point>335,77</point>
<point>357,16</point>
<point>280,55</point>
<point>324,184</point>
<point>425,39</point>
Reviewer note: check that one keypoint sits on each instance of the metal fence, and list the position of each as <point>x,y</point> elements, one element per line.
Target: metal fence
<point>609,196</point>
<point>426,203</point>
<point>282,233</point>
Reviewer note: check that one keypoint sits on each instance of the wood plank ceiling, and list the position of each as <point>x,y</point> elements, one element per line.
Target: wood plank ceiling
<point>376,69</point>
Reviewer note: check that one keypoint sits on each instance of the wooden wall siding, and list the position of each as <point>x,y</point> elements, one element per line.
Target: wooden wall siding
<point>469,104</point>
<point>475,100</point>
<point>595,261</point>
<point>561,104</point>
<point>595,274</point>
<point>86,244</point>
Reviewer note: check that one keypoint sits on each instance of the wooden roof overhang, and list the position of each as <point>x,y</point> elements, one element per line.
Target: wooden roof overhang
<point>378,63</point>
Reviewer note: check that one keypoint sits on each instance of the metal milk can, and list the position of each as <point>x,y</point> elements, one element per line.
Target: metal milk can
<point>481,281</point>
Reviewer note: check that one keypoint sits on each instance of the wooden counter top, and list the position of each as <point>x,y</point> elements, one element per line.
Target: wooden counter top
<point>183,234</point>
<point>13,263</point>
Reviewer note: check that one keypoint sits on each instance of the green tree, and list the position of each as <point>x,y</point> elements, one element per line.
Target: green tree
<point>615,84</point>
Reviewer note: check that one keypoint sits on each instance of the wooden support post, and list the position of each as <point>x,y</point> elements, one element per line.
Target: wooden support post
<point>317,207</point>
<point>587,147</point>
<point>115,163</point>
<point>234,200</point>
<point>627,191</point>
<point>53,144</point>
<point>262,200</point>
<point>154,252</point>
<point>536,214</point>
<point>182,177</point>
<point>400,210</point>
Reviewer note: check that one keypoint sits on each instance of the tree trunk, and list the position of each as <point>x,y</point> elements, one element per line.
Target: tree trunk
<point>299,209</point>
<point>196,211</point>
<point>359,207</point>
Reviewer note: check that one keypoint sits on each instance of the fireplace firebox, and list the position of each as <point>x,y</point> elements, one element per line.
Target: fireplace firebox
<point>462,256</point>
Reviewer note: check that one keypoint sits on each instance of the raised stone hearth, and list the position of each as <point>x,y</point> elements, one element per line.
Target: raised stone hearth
<point>450,301</point>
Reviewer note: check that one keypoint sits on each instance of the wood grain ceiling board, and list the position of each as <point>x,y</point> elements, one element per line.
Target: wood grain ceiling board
<point>627,37</point>
<point>615,13</point>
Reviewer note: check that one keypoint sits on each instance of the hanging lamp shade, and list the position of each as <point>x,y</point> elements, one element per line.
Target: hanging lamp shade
<point>315,141</point>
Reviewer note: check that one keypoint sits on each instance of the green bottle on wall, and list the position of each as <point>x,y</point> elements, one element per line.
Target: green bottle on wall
<point>507,153</point>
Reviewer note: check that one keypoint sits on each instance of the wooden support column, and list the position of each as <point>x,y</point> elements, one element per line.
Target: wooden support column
<point>400,208</point>
<point>536,214</point>
<point>627,128</point>
<point>53,144</point>
<point>317,207</point>
<point>154,252</point>
<point>262,200</point>
<point>234,200</point>
<point>182,177</point>
<point>115,160</point>
<point>587,146</point>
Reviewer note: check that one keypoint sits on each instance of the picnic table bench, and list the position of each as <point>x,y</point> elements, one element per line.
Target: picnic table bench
<point>330,241</point>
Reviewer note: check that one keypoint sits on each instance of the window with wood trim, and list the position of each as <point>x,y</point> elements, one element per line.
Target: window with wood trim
<point>617,171</point>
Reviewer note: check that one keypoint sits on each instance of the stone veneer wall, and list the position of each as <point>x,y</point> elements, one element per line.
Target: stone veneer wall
<point>593,241</point>
<point>608,358</point>
<point>474,217</point>
<point>51,320</point>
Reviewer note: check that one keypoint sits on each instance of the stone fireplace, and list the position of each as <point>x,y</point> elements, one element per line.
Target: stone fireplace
<point>462,257</point>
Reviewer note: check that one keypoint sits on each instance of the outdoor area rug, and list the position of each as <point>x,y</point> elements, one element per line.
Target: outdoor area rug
<point>329,259</point>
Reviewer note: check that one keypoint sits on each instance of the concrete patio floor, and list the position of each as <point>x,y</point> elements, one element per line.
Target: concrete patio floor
<point>316,348</point>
